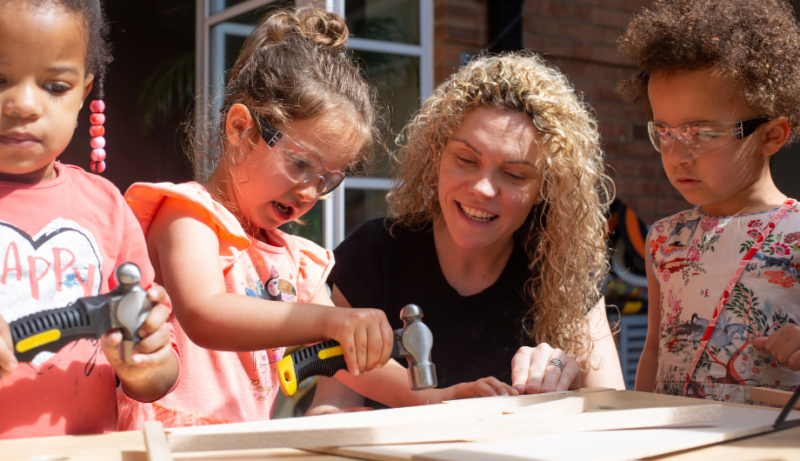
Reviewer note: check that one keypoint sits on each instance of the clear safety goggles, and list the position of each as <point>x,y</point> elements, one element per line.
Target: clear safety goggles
<point>297,163</point>
<point>701,138</point>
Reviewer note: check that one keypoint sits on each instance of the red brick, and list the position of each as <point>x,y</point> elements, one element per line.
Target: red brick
<point>610,35</point>
<point>608,110</point>
<point>645,187</point>
<point>637,5</point>
<point>539,25</point>
<point>581,13</point>
<point>463,34</point>
<point>556,9</point>
<point>639,149</point>
<point>582,31</point>
<point>471,14</point>
<point>450,53</point>
<point>555,46</point>
<point>621,168</point>
<point>649,169</point>
<point>645,207</point>
<point>609,54</point>
<point>609,17</point>
<point>605,91</point>
<point>618,130</point>
<point>532,42</point>
<point>582,50</point>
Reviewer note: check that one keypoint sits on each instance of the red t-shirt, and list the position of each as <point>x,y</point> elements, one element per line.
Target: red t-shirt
<point>61,240</point>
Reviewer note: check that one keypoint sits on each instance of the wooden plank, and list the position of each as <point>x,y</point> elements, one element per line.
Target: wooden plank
<point>623,445</point>
<point>568,406</point>
<point>155,440</point>
<point>772,396</point>
<point>456,410</point>
<point>454,430</point>
<point>116,446</point>
<point>773,446</point>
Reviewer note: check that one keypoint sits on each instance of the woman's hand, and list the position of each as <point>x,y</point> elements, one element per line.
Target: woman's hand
<point>535,370</point>
<point>8,362</point>
<point>484,387</point>
<point>155,367</point>
<point>783,345</point>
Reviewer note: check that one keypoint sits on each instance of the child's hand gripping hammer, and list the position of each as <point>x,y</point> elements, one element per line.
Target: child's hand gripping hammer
<point>125,307</point>
<point>414,342</point>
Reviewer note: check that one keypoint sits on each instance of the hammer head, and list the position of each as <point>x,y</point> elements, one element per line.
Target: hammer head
<point>414,342</point>
<point>129,307</point>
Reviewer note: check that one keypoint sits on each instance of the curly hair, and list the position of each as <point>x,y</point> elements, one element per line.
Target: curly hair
<point>757,43</point>
<point>564,235</point>
<point>293,66</point>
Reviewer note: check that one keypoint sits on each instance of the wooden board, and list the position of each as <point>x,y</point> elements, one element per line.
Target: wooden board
<point>522,425</point>
<point>739,421</point>
<point>155,440</point>
<point>772,396</point>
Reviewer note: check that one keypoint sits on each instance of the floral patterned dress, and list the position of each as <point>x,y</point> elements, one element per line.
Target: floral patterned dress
<point>693,258</point>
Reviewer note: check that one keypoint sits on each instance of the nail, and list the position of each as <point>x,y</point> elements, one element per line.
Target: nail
<point>547,389</point>
<point>138,359</point>
<point>355,373</point>
<point>532,390</point>
<point>13,364</point>
<point>379,366</point>
<point>513,391</point>
<point>519,388</point>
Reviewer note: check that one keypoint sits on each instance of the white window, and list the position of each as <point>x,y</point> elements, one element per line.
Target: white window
<point>392,39</point>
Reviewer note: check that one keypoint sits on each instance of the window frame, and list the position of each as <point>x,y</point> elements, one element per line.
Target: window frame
<point>206,43</point>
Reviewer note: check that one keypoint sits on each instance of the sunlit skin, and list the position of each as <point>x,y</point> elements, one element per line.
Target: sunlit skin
<point>734,180</point>
<point>43,83</point>
<point>261,185</point>
<point>491,164</point>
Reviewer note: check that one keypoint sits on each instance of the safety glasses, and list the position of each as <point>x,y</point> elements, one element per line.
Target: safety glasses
<point>701,138</point>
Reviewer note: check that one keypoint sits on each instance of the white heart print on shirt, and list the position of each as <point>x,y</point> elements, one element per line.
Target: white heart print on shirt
<point>52,269</point>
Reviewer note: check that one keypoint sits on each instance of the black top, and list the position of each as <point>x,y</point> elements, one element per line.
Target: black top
<point>473,336</point>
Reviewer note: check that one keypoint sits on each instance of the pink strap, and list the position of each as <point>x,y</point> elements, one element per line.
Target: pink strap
<point>765,232</point>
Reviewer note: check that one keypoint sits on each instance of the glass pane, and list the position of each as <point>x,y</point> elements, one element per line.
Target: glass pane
<point>361,205</point>
<point>386,20</point>
<point>310,227</point>
<point>397,79</point>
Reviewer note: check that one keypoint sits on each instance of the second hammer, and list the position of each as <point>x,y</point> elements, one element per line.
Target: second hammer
<point>413,341</point>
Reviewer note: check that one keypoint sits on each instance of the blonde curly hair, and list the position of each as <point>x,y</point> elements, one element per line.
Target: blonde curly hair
<point>564,236</point>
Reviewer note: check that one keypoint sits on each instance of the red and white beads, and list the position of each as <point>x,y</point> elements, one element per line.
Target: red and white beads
<point>97,131</point>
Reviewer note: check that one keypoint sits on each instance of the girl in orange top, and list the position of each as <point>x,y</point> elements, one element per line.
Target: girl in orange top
<point>296,114</point>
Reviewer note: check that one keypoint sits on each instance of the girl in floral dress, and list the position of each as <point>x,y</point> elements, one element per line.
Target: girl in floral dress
<point>724,277</point>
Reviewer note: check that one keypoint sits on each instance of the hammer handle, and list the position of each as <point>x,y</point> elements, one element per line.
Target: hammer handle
<point>323,359</point>
<point>53,329</point>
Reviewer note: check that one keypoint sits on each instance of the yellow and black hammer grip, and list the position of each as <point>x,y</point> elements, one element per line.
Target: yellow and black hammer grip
<point>53,329</point>
<point>323,359</point>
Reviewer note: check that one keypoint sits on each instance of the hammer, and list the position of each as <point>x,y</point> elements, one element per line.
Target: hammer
<point>125,307</point>
<point>413,341</point>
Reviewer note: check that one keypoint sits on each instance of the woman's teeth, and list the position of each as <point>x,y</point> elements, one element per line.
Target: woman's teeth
<point>477,215</point>
<point>283,208</point>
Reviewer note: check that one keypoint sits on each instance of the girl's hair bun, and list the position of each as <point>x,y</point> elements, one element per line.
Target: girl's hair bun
<point>324,28</point>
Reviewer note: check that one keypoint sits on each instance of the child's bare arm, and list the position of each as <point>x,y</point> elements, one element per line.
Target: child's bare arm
<point>783,344</point>
<point>602,369</point>
<point>7,360</point>
<point>185,255</point>
<point>155,367</point>
<point>648,362</point>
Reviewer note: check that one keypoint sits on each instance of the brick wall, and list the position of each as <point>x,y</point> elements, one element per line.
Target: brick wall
<point>579,37</point>
<point>459,27</point>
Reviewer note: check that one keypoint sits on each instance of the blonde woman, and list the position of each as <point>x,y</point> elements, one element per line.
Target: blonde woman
<point>497,233</point>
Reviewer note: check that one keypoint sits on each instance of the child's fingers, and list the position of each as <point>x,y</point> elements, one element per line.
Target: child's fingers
<point>785,347</point>
<point>155,320</point>
<point>499,387</point>
<point>760,343</point>
<point>349,352</point>
<point>362,346</point>
<point>374,346</point>
<point>154,359</point>
<point>154,342</point>
<point>387,335</point>
<point>157,294</point>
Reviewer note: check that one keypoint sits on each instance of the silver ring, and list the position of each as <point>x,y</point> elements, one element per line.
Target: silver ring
<point>557,362</point>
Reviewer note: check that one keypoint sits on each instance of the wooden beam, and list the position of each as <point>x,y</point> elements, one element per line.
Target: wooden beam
<point>471,429</point>
<point>156,442</point>
<point>771,396</point>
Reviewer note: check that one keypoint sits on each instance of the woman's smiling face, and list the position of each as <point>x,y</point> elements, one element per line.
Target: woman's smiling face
<point>489,177</point>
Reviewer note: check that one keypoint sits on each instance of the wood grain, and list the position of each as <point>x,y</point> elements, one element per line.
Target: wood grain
<point>155,440</point>
<point>521,425</point>
<point>772,396</point>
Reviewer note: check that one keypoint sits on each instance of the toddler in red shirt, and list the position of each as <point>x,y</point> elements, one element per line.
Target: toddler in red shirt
<point>63,231</point>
